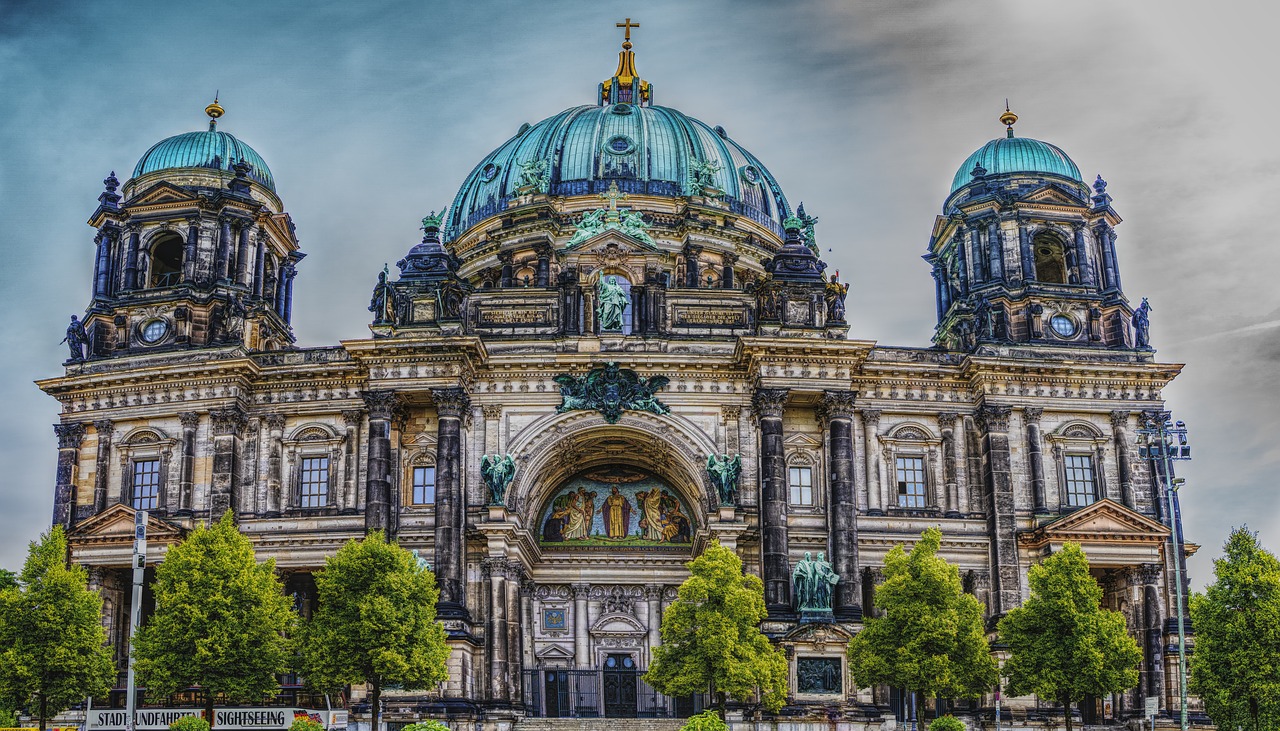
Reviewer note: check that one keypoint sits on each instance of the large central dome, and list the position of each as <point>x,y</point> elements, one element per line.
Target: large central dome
<point>644,149</point>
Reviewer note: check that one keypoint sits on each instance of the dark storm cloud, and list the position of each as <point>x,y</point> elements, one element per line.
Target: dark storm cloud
<point>370,114</point>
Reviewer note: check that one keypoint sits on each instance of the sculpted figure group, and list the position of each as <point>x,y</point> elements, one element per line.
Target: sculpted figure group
<point>812,583</point>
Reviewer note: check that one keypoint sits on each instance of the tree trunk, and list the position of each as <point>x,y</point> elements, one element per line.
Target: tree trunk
<point>375,700</point>
<point>1066,704</point>
<point>208,707</point>
<point>44,711</point>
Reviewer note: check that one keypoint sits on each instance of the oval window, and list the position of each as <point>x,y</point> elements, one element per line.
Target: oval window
<point>489,172</point>
<point>1062,325</point>
<point>750,173</point>
<point>153,331</point>
<point>620,144</point>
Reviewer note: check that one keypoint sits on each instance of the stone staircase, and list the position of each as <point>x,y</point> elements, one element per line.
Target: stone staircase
<point>598,724</point>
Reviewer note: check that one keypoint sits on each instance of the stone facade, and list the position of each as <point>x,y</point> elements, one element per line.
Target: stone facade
<point>1008,439</point>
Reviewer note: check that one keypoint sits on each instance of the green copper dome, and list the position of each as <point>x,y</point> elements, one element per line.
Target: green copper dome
<point>646,150</point>
<point>1008,155</point>
<point>207,149</point>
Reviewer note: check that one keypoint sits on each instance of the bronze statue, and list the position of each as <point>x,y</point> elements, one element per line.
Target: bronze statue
<point>497,471</point>
<point>811,582</point>
<point>613,302</point>
<point>382,305</point>
<point>723,471</point>
<point>834,296</point>
<point>77,339</point>
<point>1141,324</point>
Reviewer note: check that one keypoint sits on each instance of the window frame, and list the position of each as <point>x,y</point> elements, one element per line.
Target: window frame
<point>911,439</point>
<point>304,471</point>
<point>311,440</point>
<point>143,444</point>
<point>156,485</point>
<point>1078,437</point>
<point>1068,494</point>
<point>899,483</point>
<point>798,468</point>
<point>413,485</point>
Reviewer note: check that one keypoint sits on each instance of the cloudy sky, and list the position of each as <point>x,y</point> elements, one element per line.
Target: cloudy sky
<point>370,114</point>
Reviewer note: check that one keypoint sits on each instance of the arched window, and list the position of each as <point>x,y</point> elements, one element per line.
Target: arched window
<point>166,262</point>
<point>1051,259</point>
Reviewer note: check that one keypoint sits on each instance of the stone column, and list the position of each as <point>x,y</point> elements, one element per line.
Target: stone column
<point>259,263</point>
<point>377,497</point>
<point>581,624</point>
<point>275,464</point>
<point>1124,458</point>
<point>950,466</point>
<point>451,504</point>
<point>995,249</point>
<point>1082,257</point>
<point>960,443</point>
<point>70,435</point>
<point>994,422</point>
<point>102,470</point>
<point>242,255</point>
<point>224,485</point>
<point>769,404</point>
<point>1035,458</point>
<point>222,262</point>
<point>1153,623</point>
<point>1109,246</point>
<point>290,271</point>
<point>978,259</point>
<point>837,408</point>
<point>653,598</point>
<point>515,576</point>
<point>544,266</point>
<point>495,572</point>
<point>186,477</point>
<point>282,287</point>
<point>506,259</point>
<point>726,275</point>
<point>102,264</point>
<point>962,260</point>
<point>691,253</point>
<point>189,250</point>
<point>1027,253</point>
<point>940,290</point>
<point>353,419</point>
<point>870,425</point>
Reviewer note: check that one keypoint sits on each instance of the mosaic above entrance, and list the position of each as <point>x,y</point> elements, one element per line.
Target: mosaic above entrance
<point>616,506</point>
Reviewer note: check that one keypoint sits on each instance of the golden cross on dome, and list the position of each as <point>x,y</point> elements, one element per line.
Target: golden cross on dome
<point>628,25</point>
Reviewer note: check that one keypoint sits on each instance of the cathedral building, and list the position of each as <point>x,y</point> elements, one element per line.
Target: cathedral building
<point>616,346</point>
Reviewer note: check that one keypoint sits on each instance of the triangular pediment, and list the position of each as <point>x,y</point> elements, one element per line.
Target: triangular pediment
<point>162,192</point>
<point>1052,193</point>
<point>554,652</point>
<point>115,524</point>
<point>626,243</point>
<point>1105,520</point>
<point>802,441</point>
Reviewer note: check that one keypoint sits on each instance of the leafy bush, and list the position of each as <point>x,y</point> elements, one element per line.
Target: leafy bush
<point>705,721</point>
<point>302,723</point>
<point>426,726</point>
<point>946,723</point>
<point>8,718</point>
<point>190,723</point>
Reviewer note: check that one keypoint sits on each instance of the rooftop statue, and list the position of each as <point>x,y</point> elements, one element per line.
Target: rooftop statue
<point>382,304</point>
<point>702,177</point>
<point>835,294</point>
<point>1141,324</point>
<point>533,176</point>
<point>807,223</point>
<point>77,339</point>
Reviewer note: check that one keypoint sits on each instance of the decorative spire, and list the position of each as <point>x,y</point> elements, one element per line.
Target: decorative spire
<point>214,111</point>
<point>626,86</point>
<point>1008,118</point>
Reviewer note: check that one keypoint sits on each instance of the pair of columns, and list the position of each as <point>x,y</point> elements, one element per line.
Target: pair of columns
<point>837,410</point>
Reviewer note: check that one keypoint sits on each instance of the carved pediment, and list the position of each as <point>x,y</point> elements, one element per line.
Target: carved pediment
<point>618,624</point>
<point>115,525</point>
<point>801,441</point>
<point>162,192</point>
<point>554,652</point>
<point>1105,521</point>
<point>1053,194</point>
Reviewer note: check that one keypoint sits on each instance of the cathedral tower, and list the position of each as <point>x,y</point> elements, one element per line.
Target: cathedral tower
<point>195,250</point>
<point>1024,253</point>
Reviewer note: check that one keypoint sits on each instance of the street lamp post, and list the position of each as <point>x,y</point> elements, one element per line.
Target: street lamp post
<point>1158,439</point>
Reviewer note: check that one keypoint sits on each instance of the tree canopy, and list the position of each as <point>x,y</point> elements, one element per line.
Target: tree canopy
<point>930,638</point>
<point>376,622</point>
<point>1063,645</point>
<point>221,621</point>
<point>711,638</point>
<point>53,649</point>
<point>1236,666</point>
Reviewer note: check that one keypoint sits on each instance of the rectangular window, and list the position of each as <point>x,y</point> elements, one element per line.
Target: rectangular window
<point>146,484</point>
<point>315,482</point>
<point>800,480</point>
<point>911,483</point>
<point>1081,490</point>
<point>424,485</point>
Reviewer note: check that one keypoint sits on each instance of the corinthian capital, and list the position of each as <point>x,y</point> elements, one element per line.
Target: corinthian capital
<point>228,421</point>
<point>69,435</point>
<point>993,418</point>
<point>451,402</point>
<point>769,402</point>
<point>381,404</point>
<point>837,405</point>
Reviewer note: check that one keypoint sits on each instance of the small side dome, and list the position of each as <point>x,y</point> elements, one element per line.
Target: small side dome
<point>1017,155</point>
<point>206,149</point>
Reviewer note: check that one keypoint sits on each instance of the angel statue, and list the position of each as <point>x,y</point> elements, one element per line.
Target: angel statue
<point>497,470</point>
<point>723,471</point>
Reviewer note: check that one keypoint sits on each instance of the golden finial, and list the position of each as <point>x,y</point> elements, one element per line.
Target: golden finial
<point>628,25</point>
<point>214,111</point>
<point>1008,118</point>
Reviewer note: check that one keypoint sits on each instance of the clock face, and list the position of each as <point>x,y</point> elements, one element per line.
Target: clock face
<point>154,331</point>
<point>1062,325</point>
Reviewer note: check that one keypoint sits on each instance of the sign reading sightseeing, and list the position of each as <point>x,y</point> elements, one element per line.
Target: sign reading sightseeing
<point>611,390</point>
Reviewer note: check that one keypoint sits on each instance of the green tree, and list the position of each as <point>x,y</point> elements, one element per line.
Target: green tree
<point>190,723</point>
<point>376,622</point>
<point>1236,666</point>
<point>53,649</point>
<point>220,622</point>
<point>930,638</point>
<point>711,638</point>
<point>1063,645</point>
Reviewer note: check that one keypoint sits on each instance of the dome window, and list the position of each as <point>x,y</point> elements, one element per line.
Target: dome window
<point>489,172</point>
<point>1064,326</point>
<point>621,108</point>
<point>620,145</point>
<point>750,174</point>
<point>153,331</point>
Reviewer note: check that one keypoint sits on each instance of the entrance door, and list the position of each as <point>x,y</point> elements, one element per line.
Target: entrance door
<point>620,677</point>
<point>556,692</point>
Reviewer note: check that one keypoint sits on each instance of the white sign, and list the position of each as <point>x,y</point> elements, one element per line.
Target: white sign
<point>250,719</point>
<point>1153,706</point>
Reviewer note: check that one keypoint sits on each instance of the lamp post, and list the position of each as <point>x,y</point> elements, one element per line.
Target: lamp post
<point>1158,439</point>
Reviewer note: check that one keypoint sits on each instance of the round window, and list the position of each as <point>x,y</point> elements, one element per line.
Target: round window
<point>620,144</point>
<point>489,172</point>
<point>1062,325</point>
<point>621,108</point>
<point>750,173</point>
<point>153,331</point>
